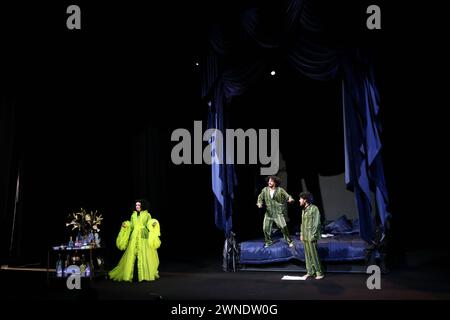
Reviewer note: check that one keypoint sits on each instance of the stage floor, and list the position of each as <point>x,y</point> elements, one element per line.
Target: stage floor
<point>203,279</point>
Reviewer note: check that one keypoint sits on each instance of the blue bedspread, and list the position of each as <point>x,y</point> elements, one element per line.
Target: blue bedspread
<point>338,248</point>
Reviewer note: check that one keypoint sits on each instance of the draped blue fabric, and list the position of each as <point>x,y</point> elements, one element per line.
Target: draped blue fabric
<point>313,60</point>
<point>363,164</point>
<point>239,54</point>
<point>252,21</point>
<point>223,175</point>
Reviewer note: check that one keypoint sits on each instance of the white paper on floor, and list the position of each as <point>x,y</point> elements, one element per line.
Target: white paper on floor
<point>293,278</point>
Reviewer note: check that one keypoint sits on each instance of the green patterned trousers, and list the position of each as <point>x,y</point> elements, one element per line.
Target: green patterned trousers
<point>281,224</point>
<point>313,266</point>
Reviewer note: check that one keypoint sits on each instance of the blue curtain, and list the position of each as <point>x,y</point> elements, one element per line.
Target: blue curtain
<point>238,55</point>
<point>362,128</point>
<point>222,174</point>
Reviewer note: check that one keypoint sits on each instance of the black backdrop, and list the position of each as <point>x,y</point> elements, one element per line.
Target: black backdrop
<point>88,117</point>
<point>94,112</point>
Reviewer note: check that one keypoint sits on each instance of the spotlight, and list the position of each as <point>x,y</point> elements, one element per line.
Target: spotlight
<point>272,73</point>
<point>197,64</point>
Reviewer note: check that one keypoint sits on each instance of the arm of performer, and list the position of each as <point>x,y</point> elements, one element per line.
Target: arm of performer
<point>259,203</point>
<point>287,196</point>
<point>155,233</point>
<point>316,224</point>
<point>302,230</point>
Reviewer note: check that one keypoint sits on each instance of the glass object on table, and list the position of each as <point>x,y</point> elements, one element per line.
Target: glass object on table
<point>88,269</point>
<point>97,239</point>
<point>78,240</point>
<point>59,266</point>
<point>70,244</point>
<point>83,266</point>
<point>67,262</point>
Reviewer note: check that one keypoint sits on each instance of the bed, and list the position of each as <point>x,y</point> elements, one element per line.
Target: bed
<point>341,249</point>
<point>336,248</point>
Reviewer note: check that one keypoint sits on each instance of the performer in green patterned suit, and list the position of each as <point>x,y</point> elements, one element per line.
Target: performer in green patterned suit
<point>275,198</point>
<point>309,234</point>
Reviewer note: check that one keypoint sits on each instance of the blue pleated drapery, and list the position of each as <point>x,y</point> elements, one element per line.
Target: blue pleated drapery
<point>238,55</point>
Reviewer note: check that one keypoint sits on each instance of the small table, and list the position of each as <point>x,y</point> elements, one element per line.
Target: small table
<point>90,249</point>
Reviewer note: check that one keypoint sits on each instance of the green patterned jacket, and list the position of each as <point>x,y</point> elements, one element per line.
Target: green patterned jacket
<point>275,205</point>
<point>310,228</point>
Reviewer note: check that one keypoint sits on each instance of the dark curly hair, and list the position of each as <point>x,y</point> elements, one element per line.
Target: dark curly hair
<point>275,179</point>
<point>307,196</point>
<point>144,204</point>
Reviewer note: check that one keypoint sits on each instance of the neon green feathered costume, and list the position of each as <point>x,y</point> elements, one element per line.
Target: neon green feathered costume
<point>140,239</point>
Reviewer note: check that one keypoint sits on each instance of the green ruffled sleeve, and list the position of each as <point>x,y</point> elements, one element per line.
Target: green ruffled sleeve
<point>154,234</point>
<point>124,235</point>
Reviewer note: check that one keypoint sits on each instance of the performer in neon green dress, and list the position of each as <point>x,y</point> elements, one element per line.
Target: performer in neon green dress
<point>140,240</point>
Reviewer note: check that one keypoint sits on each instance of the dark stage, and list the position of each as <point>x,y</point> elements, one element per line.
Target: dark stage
<point>202,279</point>
<point>87,120</point>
